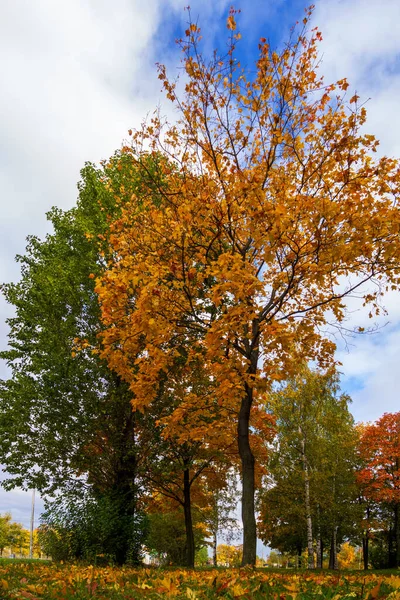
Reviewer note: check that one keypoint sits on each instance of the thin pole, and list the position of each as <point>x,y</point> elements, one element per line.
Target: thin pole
<point>32,523</point>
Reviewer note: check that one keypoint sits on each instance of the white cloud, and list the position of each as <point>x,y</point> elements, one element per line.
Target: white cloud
<point>360,42</point>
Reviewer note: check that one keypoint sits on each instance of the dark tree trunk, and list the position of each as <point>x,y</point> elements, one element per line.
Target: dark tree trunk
<point>320,553</point>
<point>188,519</point>
<point>214,547</point>
<point>333,563</point>
<point>397,534</point>
<point>320,548</point>
<point>365,549</point>
<point>299,553</point>
<point>365,543</point>
<point>247,458</point>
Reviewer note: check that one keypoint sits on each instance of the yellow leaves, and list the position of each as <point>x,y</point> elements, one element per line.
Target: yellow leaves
<point>374,593</point>
<point>231,23</point>
<point>39,580</point>
<point>247,241</point>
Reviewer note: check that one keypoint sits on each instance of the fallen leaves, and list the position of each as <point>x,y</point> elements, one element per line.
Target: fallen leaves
<point>49,581</point>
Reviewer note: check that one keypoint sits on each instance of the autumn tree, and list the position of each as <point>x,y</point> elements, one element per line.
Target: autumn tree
<point>347,557</point>
<point>180,458</point>
<point>272,212</point>
<point>229,556</point>
<point>380,476</point>
<point>5,522</point>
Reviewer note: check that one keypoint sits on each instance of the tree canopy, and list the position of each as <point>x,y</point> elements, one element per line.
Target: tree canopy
<point>271,212</point>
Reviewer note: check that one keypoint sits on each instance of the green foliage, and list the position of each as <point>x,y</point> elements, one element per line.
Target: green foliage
<point>92,528</point>
<point>56,401</point>
<point>12,535</point>
<point>201,557</point>
<point>65,417</point>
<point>5,521</point>
<point>166,538</point>
<point>315,431</point>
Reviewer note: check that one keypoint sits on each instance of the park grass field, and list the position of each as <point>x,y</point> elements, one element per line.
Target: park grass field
<point>38,580</point>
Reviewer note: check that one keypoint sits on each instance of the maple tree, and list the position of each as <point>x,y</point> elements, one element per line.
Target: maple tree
<point>379,476</point>
<point>271,211</point>
<point>178,457</point>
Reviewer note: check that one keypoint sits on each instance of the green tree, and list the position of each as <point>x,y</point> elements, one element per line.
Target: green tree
<point>202,559</point>
<point>65,417</point>
<point>167,539</point>
<point>92,528</point>
<point>5,521</point>
<point>311,495</point>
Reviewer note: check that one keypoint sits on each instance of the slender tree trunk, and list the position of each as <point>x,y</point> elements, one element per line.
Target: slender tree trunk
<point>214,546</point>
<point>188,519</point>
<point>365,542</point>
<point>320,552</point>
<point>397,533</point>
<point>248,488</point>
<point>333,563</point>
<point>310,549</point>
<point>299,553</point>
<point>391,547</point>
<point>365,550</point>
<point>320,549</point>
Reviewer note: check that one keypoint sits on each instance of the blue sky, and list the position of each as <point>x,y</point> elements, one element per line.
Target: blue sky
<point>77,75</point>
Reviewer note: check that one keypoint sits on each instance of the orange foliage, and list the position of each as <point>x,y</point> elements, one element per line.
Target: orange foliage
<point>51,581</point>
<point>264,196</point>
<point>380,449</point>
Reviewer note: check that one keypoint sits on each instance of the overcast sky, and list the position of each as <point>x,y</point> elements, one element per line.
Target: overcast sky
<point>76,75</point>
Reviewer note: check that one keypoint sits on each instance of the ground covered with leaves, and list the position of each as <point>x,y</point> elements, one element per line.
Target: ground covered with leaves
<point>50,581</point>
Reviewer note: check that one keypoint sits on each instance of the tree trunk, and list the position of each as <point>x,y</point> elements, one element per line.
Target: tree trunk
<point>365,543</point>
<point>397,534</point>
<point>299,561</point>
<point>214,546</point>
<point>333,563</point>
<point>248,488</point>
<point>365,549</point>
<point>310,549</point>
<point>320,549</point>
<point>320,553</point>
<point>188,519</point>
